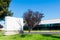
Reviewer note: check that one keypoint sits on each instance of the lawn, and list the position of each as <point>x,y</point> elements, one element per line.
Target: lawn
<point>30,37</point>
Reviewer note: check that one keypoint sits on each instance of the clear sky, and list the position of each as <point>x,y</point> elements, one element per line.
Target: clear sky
<point>50,8</point>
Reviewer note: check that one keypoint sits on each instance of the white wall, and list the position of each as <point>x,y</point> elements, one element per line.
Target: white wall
<point>13,24</point>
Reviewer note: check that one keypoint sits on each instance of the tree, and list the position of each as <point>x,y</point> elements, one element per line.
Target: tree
<point>32,18</point>
<point>4,4</point>
<point>1,26</point>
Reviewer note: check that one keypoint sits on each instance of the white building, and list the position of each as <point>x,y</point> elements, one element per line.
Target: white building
<point>52,21</point>
<point>13,24</point>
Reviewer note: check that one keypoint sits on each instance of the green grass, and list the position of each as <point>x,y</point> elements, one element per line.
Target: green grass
<point>30,37</point>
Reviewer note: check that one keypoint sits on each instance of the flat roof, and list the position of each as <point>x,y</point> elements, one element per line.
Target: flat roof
<point>52,21</point>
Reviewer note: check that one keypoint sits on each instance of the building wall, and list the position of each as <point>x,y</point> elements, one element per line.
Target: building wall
<point>13,25</point>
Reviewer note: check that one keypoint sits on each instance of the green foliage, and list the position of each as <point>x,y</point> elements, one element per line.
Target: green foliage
<point>4,4</point>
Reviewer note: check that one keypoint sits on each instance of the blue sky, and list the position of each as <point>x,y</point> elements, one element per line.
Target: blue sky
<point>50,8</point>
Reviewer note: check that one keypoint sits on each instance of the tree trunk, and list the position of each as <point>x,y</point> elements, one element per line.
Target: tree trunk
<point>30,29</point>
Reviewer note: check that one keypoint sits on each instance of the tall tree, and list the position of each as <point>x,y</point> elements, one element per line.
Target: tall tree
<point>32,18</point>
<point>4,5</point>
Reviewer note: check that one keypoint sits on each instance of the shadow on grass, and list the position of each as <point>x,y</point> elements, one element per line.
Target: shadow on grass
<point>49,35</point>
<point>25,35</point>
